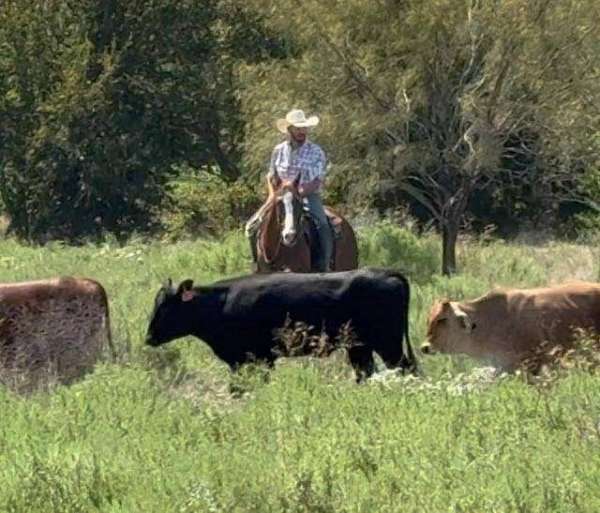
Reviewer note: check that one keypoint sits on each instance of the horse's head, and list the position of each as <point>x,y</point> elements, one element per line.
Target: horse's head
<point>289,211</point>
<point>282,226</point>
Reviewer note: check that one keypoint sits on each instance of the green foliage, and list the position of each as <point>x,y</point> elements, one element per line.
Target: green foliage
<point>98,101</point>
<point>586,222</point>
<point>389,245</point>
<point>101,103</point>
<point>201,204</point>
<point>300,443</point>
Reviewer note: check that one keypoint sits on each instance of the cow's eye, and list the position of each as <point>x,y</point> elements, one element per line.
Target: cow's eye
<point>441,321</point>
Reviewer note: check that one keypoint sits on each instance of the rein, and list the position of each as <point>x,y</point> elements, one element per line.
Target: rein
<point>272,212</point>
<point>273,223</point>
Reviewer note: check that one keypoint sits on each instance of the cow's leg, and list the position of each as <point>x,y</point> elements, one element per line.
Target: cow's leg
<point>390,346</point>
<point>361,359</point>
<point>394,358</point>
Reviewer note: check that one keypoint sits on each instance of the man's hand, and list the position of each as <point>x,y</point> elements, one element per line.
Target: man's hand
<point>309,187</point>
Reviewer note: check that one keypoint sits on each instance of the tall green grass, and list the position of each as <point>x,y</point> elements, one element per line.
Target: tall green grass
<point>158,431</point>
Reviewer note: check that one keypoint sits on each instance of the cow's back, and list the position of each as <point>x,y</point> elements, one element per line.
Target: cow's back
<point>262,295</point>
<point>58,326</point>
<point>557,310</point>
<point>510,324</point>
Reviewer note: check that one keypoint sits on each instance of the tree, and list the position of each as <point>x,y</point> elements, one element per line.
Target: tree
<point>444,96</point>
<point>99,101</point>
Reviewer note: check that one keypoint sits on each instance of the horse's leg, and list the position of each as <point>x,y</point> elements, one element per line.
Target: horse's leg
<point>295,259</point>
<point>253,250</point>
<point>346,249</point>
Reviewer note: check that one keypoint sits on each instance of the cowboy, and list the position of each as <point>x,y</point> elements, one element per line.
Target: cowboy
<point>299,159</point>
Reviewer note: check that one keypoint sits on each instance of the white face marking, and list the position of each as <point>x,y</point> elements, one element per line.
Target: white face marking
<point>289,230</point>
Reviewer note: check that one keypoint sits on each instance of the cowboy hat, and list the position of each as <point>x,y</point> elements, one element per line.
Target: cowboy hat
<point>297,118</point>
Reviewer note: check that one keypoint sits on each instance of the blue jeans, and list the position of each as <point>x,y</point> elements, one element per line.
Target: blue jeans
<point>314,203</point>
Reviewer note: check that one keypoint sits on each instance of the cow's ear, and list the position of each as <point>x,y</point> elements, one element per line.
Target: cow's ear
<point>463,318</point>
<point>466,322</point>
<point>186,290</point>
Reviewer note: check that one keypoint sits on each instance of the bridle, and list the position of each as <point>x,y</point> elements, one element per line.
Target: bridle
<point>292,226</point>
<point>289,219</point>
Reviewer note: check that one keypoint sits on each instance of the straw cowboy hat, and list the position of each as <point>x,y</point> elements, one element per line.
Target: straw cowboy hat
<point>297,118</point>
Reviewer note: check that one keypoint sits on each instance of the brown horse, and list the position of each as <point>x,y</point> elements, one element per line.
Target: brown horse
<point>285,237</point>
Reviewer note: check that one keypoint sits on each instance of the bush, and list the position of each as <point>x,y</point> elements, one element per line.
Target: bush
<point>586,225</point>
<point>201,204</point>
<point>388,245</point>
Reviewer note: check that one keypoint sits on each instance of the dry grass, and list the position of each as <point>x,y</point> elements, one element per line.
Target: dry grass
<point>548,363</point>
<point>568,261</point>
<point>4,222</point>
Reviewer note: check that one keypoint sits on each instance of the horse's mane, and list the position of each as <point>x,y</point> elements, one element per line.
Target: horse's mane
<point>269,239</point>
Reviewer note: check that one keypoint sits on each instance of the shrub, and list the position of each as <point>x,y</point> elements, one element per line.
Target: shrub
<point>201,204</point>
<point>586,225</point>
<point>388,245</point>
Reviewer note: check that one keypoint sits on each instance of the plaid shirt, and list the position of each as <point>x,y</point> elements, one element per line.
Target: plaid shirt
<point>308,161</point>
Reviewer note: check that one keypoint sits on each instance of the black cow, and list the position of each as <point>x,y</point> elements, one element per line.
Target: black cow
<point>238,318</point>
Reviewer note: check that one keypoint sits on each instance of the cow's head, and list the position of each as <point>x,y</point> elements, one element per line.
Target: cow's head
<point>449,329</point>
<point>171,317</point>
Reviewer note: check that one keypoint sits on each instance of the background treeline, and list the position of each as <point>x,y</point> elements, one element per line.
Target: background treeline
<point>122,116</point>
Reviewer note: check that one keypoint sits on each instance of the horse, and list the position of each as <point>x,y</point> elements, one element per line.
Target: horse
<point>285,237</point>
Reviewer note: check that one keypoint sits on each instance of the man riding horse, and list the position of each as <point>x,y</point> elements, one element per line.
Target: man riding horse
<point>300,161</point>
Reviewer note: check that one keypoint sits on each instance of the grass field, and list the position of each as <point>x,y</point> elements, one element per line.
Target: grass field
<point>158,431</point>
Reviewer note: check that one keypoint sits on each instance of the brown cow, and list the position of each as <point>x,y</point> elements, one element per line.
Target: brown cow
<point>57,325</point>
<point>508,326</point>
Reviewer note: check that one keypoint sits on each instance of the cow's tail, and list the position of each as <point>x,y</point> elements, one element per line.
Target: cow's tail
<point>108,331</point>
<point>412,360</point>
<point>409,355</point>
<point>109,338</point>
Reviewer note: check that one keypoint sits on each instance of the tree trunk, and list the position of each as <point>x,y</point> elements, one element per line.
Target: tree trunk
<point>450,234</point>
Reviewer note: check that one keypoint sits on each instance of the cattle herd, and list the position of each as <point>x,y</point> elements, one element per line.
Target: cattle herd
<point>63,324</point>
